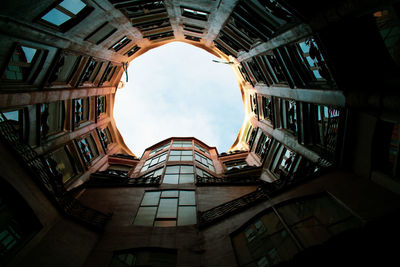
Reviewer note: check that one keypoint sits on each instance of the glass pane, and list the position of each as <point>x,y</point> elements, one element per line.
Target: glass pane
<point>198,158</point>
<point>187,152</point>
<point>162,158</point>
<point>174,158</point>
<point>187,215</point>
<point>168,208</point>
<point>176,144</point>
<point>29,53</point>
<point>158,172</point>
<point>199,172</point>
<point>169,223</point>
<point>75,6</point>
<point>145,216</point>
<point>172,169</point>
<point>187,169</point>
<point>187,198</point>
<point>186,179</point>
<point>175,153</point>
<point>170,193</point>
<point>171,179</point>
<point>187,144</point>
<point>12,115</point>
<point>187,158</point>
<point>56,17</point>
<point>151,198</point>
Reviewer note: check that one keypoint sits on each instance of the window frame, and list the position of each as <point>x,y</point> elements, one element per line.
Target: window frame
<point>68,24</point>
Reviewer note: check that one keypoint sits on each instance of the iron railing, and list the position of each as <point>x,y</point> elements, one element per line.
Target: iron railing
<point>50,180</point>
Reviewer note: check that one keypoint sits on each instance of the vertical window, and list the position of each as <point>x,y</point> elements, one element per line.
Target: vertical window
<point>180,155</point>
<point>20,64</point>
<point>105,138</point>
<point>206,162</point>
<point>90,72</point>
<point>263,146</point>
<point>179,174</point>
<point>160,148</point>
<point>88,149</point>
<point>51,118</point>
<point>154,161</point>
<point>120,44</point>
<point>167,208</point>
<point>100,105</point>
<point>182,144</point>
<point>81,111</point>
<point>66,14</point>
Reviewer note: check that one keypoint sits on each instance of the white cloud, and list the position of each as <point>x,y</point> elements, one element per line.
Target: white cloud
<point>176,90</point>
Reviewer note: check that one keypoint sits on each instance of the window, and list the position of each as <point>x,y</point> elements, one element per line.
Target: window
<point>107,74</point>
<point>64,162</point>
<point>202,149</point>
<point>120,44</point>
<point>194,14</point>
<point>64,69</point>
<point>101,33</point>
<point>51,118</point>
<point>132,51</point>
<point>182,144</point>
<point>312,221</point>
<point>192,38</point>
<point>155,173</point>
<point>81,110</point>
<point>66,14</point>
<point>235,164</point>
<point>263,146</point>
<point>155,257</point>
<point>88,149</point>
<point>91,71</point>
<point>21,62</point>
<point>193,28</point>
<point>167,208</point>
<point>314,60</point>
<point>180,155</point>
<point>201,173</point>
<point>206,162</point>
<point>158,149</point>
<point>100,105</point>
<point>158,36</point>
<point>154,161</point>
<point>179,174</point>
<point>105,138</point>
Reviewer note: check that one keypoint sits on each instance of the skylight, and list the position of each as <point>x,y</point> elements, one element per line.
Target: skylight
<point>177,90</point>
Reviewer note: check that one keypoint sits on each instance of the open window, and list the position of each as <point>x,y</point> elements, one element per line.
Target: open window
<point>63,15</point>
<point>23,64</point>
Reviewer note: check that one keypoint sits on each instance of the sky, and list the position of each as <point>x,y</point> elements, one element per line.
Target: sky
<point>177,90</point>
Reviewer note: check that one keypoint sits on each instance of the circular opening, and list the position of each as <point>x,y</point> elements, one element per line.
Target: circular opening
<point>178,90</point>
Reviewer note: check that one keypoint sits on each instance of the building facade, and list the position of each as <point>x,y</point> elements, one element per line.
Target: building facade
<point>312,177</point>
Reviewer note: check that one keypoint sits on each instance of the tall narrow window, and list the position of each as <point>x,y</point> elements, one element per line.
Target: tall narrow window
<point>51,118</point>
<point>167,208</point>
<point>179,174</point>
<point>88,149</point>
<point>81,111</point>
<point>105,138</point>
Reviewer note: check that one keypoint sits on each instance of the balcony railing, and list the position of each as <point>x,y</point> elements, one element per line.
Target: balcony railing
<point>50,180</point>
<point>108,179</point>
